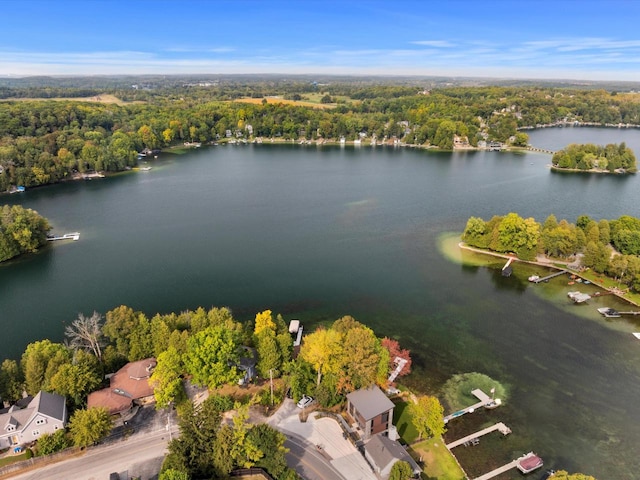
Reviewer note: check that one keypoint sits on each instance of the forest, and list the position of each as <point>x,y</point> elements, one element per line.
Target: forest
<point>47,141</point>
<point>611,158</point>
<point>610,247</point>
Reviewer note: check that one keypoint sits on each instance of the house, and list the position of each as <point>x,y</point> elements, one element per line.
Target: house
<point>247,364</point>
<point>381,452</point>
<point>45,413</point>
<point>371,411</point>
<point>129,386</point>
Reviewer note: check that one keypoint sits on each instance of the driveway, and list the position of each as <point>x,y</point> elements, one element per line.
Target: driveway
<point>319,440</point>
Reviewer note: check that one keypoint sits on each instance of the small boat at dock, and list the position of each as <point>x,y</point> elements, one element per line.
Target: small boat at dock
<point>67,236</point>
<point>529,463</point>
<point>609,312</point>
<point>534,278</point>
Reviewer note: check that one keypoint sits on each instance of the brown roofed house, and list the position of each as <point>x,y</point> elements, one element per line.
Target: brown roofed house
<point>129,386</point>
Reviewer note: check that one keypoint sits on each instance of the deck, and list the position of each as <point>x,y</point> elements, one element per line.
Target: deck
<point>485,401</point>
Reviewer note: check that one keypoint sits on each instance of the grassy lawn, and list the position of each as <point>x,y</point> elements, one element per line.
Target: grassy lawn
<point>438,462</point>
<point>27,454</point>
<point>402,421</point>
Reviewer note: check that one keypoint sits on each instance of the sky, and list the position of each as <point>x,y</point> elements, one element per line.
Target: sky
<point>538,39</point>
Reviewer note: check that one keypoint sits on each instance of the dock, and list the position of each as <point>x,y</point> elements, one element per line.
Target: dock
<point>485,401</point>
<point>504,468</point>
<point>501,427</point>
<point>400,363</point>
<point>548,277</point>
<point>67,236</point>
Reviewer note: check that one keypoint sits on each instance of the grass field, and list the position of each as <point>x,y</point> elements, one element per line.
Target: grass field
<point>438,462</point>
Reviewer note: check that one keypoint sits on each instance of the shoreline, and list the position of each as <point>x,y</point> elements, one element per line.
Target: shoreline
<point>548,264</point>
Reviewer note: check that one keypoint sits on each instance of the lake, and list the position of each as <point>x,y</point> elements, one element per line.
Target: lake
<point>318,233</point>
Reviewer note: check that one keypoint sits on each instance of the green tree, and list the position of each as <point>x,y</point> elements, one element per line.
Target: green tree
<point>89,426</point>
<point>49,443</point>
<point>166,378</point>
<point>212,355</point>
<point>401,470</point>
<point>40,361</point>
<point>119,324</point>
<point>11,381</point>
<point>564,475</point>
<point>75,382</point>
<point>427,415</point>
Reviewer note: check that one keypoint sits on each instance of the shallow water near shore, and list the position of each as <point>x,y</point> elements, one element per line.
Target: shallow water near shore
<point>318,233</point>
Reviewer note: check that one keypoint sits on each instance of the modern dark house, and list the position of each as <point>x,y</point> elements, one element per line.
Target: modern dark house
<point>371,411</point>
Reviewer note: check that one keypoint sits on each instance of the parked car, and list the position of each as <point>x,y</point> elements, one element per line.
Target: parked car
<point>305,401</point>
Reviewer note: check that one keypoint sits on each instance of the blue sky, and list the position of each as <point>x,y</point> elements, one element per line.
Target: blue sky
<point>590,40</point>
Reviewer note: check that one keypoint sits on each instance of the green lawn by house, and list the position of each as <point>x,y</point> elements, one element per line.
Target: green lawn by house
<point>26,455</point>
<point>437,461</point>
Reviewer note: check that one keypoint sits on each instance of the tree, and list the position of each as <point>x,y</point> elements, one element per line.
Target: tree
<point>119,324</point>
<point>75,381</point>
<point>521,139</point>
<point>401,470</point>
<point>564,475</point>
<point>212,355</point>
<point>11,381</point>
<point>49,443</point>
<point>360,355</point>
<point>166,378</point>
<point>428,416</point>
<point>264,320</point>
<point>40,361</point>
<point>321,349</point>
<point>396,352</point>
<point>271,442</point>
<point>89,426</point>
<point>86,333</point>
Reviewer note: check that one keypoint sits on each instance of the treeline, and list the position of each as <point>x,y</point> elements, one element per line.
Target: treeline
<point>44,142</point>
<point>611,247</point>
<point>611,158</point>
<point>22,230</point>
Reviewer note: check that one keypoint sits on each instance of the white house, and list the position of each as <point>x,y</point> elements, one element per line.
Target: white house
<point>46,413</point>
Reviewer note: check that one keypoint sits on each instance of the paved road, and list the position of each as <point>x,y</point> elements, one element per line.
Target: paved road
<point>140,456</point>
<point>308,461</point>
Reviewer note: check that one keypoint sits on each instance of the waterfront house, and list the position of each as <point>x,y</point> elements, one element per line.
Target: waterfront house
<point>128,387</point>
<point>382,453</point>
<point>371,411</point>
<point>45,413</point>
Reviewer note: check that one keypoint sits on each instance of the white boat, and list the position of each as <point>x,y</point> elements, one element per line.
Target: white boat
<point>609,312</point>
<point>145,169</point>
<point>529,462</point>
<point>637,335</point>
<point>534,278</point>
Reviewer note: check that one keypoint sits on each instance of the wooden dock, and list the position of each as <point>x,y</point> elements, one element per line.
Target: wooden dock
<point>555,274</point>
<point>501,427</point>
<point>485,401</point>
<point>504,468</point>
<point>67,236</point>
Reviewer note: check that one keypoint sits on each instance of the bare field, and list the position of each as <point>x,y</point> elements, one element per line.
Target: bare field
<point>276,100</point>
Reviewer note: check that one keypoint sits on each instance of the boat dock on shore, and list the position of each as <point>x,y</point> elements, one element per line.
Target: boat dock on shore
<point>501,427</point>
<point>67,236</point>
<point>526,463</point>
<point>485,401</point>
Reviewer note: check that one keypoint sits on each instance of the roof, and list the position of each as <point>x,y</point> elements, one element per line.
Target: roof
<point>370,402</point>
<point>113,402</point>
<point>129,383</point>
<point>384,451</point>
<point>50,404</point>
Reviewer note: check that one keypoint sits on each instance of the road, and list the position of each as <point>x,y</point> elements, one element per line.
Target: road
<point>140,456</point>
<point>308,461</point>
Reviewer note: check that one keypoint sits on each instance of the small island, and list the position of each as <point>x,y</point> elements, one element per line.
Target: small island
<point>588,157</point>
<point>22,230</point>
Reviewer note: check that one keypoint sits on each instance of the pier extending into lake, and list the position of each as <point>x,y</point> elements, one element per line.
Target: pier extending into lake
<point>504,468</point>
<point>67,236</point>
<point>485,401</point>
<point>548,277</point>
<point>501,427</point>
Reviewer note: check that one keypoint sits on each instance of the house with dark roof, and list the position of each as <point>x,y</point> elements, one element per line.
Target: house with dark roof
<point>382,453</point>
<point>371,411</point>
<point>45,413</point>
<point>128,387</point>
